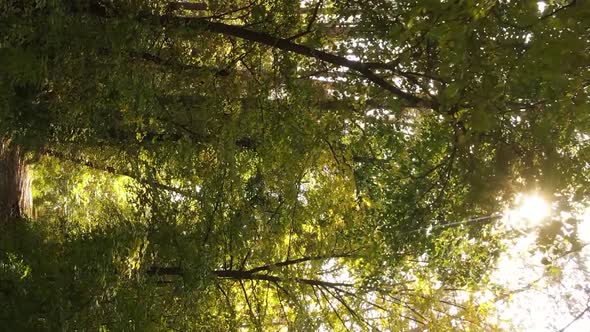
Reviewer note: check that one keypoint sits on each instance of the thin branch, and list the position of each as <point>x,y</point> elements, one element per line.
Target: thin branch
<point>332,150</point>
<point>253,317</point>
<point>542,18</point>
<point>289,46</point>
<point>227,300</point>
<point>342,301</point>
<point>245,275</point>
<point>243,263</point>
<point>114,171</point>
<point>557,10</point>
<point>278,292</point>
<point>578,317</point>
<point>322,307</point>
<point>266,300</point>
<point>333,309</point>
<point>313,18</point>
<point>296,261</point>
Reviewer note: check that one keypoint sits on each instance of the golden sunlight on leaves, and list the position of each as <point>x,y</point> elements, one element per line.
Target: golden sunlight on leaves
<point>294,165</point>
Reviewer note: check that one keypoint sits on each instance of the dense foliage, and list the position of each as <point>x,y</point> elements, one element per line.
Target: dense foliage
<point>262,165</point>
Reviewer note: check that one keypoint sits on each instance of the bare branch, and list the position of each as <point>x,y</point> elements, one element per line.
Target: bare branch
<point>578,317</point>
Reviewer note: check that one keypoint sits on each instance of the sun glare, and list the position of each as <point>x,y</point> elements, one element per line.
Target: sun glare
<point>530,210</point>
<point>534,208</point>
<point>584,227</point>
<point>541,5</point>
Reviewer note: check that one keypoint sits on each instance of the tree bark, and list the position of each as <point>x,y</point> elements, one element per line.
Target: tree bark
<point>15,184</point>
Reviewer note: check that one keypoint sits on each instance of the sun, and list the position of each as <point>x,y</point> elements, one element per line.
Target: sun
<point>530,210</point>
<point>534,208</point>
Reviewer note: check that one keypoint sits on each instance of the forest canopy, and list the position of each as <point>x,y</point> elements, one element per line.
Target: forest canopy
<point>283,165</point>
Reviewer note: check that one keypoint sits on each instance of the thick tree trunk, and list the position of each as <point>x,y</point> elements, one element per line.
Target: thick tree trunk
<point>15,183</point>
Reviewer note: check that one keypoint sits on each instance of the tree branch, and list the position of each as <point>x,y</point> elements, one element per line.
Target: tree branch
<point>115,171</point>
<point>296,261</point>
<point>289,46</point>
<point>312,19</point>
<point>578,317</point>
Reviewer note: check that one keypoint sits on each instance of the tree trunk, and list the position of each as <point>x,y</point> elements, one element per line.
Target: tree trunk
<point>15,183</point>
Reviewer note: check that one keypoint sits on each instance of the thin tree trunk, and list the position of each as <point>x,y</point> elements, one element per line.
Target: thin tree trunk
<point>15,184</point>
